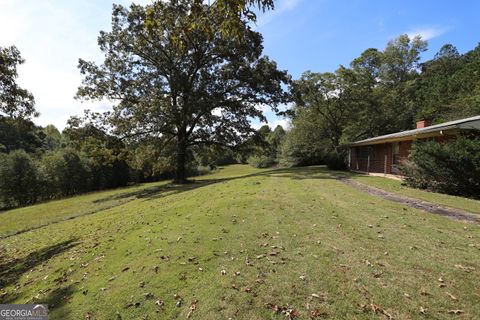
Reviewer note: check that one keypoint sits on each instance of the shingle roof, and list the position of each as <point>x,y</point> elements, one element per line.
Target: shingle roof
<point>472,123</point>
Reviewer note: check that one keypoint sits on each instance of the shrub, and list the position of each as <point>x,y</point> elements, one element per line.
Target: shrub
<point>302,147</point>
<point>336,160</point>
<point>203,170</point>
<point>261,161</point>
<point>18,179</point>
<point>65,173</point>
<point>452,168</point>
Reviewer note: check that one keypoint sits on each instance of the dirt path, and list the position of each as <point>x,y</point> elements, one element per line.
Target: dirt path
<point>452,213</point>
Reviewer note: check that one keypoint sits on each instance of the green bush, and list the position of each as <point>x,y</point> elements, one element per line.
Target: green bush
<point>65,173</point>
<point>452,168</point>
<point>261,161</point>
<point>303,144</point>
<point>19,183</point>
<point>336,160</point>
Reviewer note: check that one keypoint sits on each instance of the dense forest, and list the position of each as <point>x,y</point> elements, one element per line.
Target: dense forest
<point>183,99</point>
<point>380,92</point>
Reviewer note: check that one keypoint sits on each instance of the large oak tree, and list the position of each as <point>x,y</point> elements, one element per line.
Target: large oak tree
<point>176,76</point>
<point>15,102</point>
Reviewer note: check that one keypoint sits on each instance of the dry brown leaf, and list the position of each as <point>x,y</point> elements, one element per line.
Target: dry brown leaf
<point>451,296</point>
<point>377,309</point>
<point>465,269</point>
<point>193,307</point>
<point>314,314</point>
<point>457,312</point>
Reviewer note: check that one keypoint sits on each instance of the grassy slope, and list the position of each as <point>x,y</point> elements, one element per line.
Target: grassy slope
<point>178,241</point>
<point>396,186</point>
<point>22,219</point>
<point>27,218</point>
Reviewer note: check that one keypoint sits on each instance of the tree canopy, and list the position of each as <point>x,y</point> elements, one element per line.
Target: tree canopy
<point>15,101</point>
<point>380,92</point>
<point>182,83</point>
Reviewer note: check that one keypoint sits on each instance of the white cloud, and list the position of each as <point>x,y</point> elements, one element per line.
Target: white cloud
<point>51,36</point>
<point>285,123</point>
<point>273,122</point>
<point>281,7</point>
<point>427,33</point>
<point>263,107</point>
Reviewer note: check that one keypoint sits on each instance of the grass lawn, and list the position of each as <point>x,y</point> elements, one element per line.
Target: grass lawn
<point>242,243</point>
<point>396,186</point>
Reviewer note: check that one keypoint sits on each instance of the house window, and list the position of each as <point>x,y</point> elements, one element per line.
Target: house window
<point>365,152</point>
<point>396,153</point>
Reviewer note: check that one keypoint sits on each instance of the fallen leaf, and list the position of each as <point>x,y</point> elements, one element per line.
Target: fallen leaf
<point>377,309</point>
<point>456,312</point>
<point>290,313</point>
<point>463,268</point>
<point>148,295</point>
<point>451,296</point>
<point>193,307</point>
<point>314,295</point>
<point>314,314</point>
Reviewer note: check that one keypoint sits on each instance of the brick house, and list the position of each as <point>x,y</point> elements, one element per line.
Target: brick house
<point>385,153</point>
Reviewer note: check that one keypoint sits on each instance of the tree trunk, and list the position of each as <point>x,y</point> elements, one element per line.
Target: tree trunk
<point>180,173</point>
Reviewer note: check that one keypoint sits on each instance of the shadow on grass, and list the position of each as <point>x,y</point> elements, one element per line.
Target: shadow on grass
<point>11,271</point>
<point>56,301</point>
<point>299,173</point>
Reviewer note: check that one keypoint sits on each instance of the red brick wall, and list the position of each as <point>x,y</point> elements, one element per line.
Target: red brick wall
<point>378,152</point>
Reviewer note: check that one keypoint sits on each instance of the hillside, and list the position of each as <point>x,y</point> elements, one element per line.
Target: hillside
<point>241,243</point>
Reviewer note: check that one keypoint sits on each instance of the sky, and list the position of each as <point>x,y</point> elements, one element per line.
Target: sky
<point>301,35</point>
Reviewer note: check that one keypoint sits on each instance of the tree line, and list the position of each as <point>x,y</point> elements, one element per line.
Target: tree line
<point>184,78</point>
<point>380,92</point>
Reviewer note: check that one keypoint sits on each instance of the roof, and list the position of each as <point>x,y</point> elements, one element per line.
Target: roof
<point>472,123</point>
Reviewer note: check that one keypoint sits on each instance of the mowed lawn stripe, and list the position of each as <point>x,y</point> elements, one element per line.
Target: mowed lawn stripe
<point>244,245</point>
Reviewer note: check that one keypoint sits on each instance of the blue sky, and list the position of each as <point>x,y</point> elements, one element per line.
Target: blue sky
<point>316,35</point>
